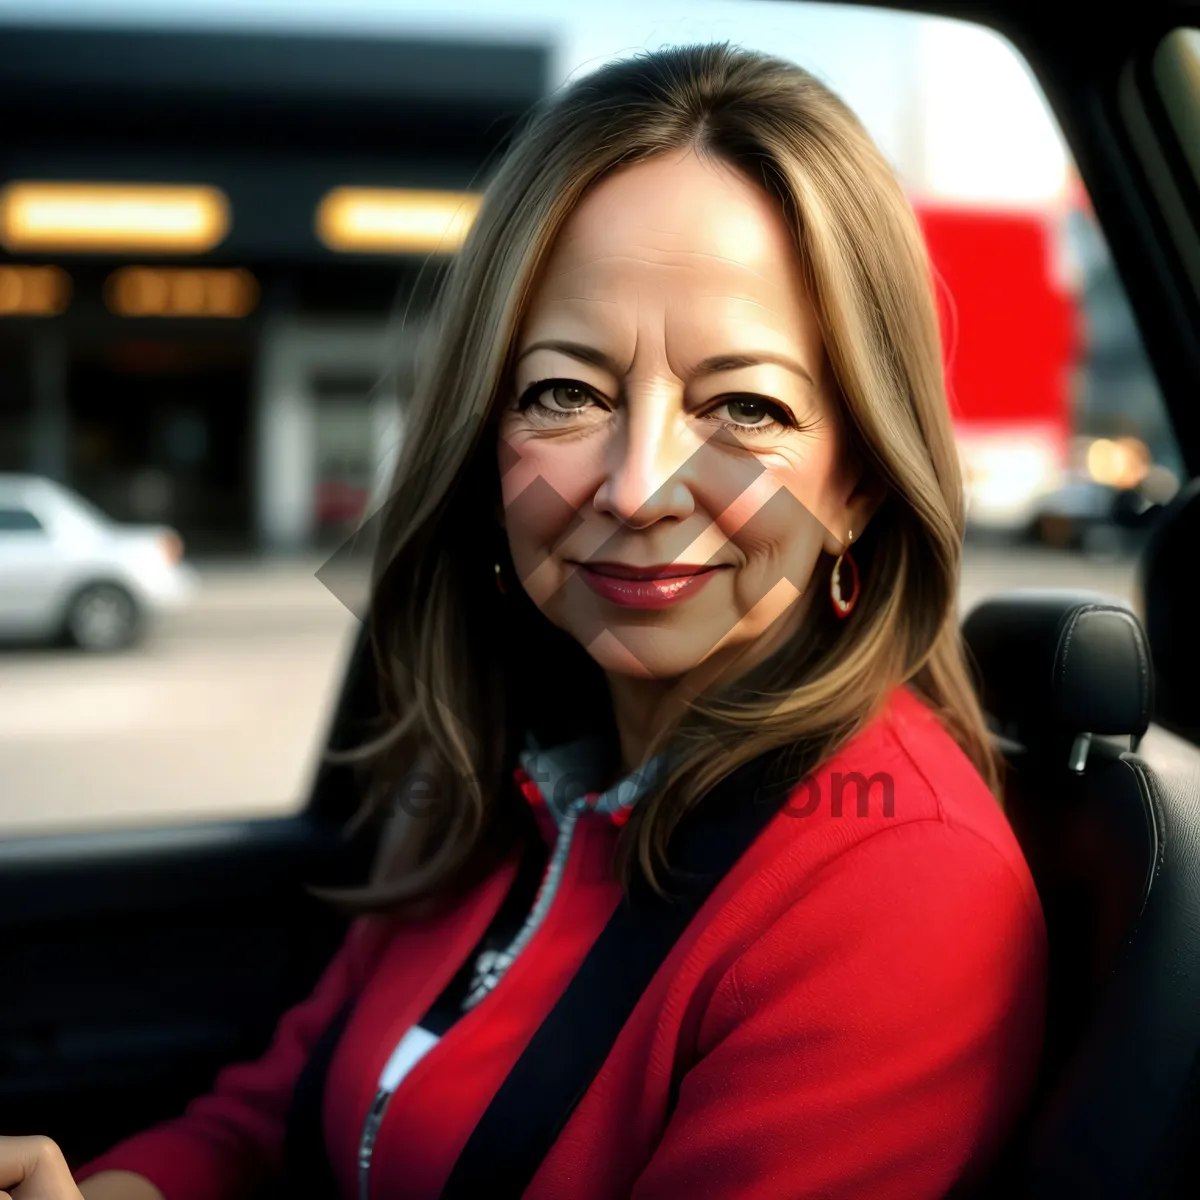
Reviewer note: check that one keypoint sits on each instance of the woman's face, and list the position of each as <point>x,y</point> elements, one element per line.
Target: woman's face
<point>673,457</point>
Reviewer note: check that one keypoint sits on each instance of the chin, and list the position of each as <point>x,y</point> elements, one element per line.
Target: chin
<point>648,654</point>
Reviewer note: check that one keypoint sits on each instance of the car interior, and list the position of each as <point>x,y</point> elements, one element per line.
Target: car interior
<point>144,960</point>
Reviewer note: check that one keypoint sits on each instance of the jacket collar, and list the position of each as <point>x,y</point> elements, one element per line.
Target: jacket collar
<point>559,779</point>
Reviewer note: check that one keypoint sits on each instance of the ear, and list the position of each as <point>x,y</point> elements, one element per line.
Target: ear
<point>860,506</point>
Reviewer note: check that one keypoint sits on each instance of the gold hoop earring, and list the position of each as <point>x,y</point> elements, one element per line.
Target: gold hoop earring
<point>841,606</point>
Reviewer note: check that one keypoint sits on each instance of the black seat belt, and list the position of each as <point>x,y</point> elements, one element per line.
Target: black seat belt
<point>306,1167</point>
<point>564,1056</point>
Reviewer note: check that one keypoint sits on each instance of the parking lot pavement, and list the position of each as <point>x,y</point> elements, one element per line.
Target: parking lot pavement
<point>297,593</point>
<point>988,570</point>
<point>223,711</point>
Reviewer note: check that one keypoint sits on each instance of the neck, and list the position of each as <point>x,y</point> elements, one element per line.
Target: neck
<point>641,707</point>
<point>644,707</point>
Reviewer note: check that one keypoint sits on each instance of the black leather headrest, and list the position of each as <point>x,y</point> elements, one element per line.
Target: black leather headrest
<point>1169,604</point>
<point>1055,663</point>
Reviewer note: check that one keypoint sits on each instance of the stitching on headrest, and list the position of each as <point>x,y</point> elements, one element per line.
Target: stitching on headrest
<point>1063,650</point>
<point>1143,662</point>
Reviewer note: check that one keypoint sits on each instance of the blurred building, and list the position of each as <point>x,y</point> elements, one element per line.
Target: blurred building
<point>241,373</point>
<point>234,363</point>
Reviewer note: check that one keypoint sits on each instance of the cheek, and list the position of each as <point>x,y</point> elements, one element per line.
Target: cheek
<point>783,516</point>
<point>793,495</point>
<point>816,483</point>
<point>546,484</point>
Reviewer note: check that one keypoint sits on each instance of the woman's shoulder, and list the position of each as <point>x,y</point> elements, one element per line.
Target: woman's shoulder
<point>892,863</point>
<point>903,780</point>
<point>915,768</point>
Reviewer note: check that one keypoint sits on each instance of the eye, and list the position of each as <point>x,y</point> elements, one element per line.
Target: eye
<point>564,397</point>
<point>752,412</point>
<point>558,398</point>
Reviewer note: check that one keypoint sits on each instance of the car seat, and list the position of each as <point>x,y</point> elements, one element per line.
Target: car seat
<point>1109,822</point>
<point>1168,601</point>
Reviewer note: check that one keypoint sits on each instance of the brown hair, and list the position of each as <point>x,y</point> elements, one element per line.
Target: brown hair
<point>465,671</point>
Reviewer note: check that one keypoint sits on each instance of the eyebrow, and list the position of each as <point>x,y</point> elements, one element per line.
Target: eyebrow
<point>578,350</point>
<point>735,362</point>
<point>710,366</point>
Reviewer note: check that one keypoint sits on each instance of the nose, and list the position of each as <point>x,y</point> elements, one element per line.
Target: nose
<point>647,475</point>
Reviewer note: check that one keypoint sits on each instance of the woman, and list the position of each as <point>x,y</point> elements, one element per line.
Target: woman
<point>687,358</point>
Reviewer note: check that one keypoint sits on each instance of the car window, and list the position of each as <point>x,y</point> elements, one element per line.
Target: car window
<point>1176,73</point>
<point>234,407</point>
<point>18,520</point>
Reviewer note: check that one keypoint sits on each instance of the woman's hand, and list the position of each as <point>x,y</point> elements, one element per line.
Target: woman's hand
<point>33,1168</point>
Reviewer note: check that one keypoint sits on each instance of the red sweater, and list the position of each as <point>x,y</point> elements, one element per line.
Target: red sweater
<point>856,1011</point>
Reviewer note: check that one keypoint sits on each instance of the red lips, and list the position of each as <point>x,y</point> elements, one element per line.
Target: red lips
<point>651,587</point>
<point>657,571</point>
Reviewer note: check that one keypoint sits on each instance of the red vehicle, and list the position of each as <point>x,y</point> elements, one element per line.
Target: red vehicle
<point>1010,333</point>
<point>339,503</point>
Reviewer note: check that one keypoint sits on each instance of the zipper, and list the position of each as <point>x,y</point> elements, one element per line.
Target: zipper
<point>367,1145</point>
<point>541,906</point>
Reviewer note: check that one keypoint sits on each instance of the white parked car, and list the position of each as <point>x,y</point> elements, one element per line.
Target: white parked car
<point>68,571</point>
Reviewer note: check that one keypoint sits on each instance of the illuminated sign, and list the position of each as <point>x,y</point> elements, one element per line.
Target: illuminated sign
<point>181,292</point>
<point>34,291</point>
<point>395,220</point>
<point>105,217</point>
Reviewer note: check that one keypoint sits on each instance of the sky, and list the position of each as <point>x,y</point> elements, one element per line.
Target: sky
<point>952,105</point>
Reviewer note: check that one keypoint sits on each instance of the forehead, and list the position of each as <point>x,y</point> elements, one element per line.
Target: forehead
<point>683,228</point>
